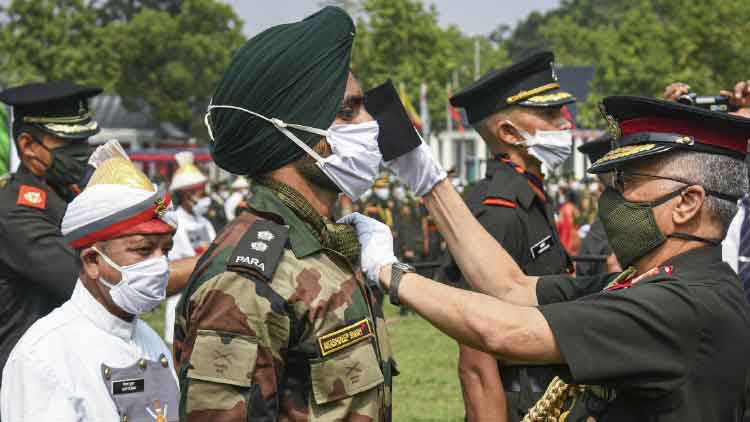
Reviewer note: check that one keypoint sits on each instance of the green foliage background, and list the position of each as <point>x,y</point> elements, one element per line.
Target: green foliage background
<point>163,56</point>
<point>640,46</point>
<point>401,40</point>
<point>166,55</point>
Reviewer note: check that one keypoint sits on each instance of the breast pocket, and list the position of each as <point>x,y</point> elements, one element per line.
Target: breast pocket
<point>345,373</point>
<point>223,358</point>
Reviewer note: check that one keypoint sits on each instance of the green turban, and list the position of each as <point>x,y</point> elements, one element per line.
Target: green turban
<point>295,72</point>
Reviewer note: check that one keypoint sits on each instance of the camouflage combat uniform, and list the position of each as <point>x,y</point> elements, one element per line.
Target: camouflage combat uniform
<point>287,331</point>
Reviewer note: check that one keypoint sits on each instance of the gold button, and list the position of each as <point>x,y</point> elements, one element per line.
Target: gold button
<point>142,363</point>
<point>107,372</point>
<point>163,360</point>
<point>124,418</point>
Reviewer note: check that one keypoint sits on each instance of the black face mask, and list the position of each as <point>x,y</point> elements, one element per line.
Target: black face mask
<point>68,168</point>
<point>631,226</point>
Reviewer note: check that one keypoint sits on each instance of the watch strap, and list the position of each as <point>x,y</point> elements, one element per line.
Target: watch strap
<point>397,272</point>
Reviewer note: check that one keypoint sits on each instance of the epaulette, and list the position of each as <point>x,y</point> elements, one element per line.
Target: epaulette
<point>510,188</point>
<point>260,249</point>
<point>4,180</point>
<point>498,202</point>
<point>32,197</point>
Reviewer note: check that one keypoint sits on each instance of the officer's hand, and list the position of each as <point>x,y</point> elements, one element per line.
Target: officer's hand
<point>417,169</point>
<point>676,90</point>
<point>377,243</point>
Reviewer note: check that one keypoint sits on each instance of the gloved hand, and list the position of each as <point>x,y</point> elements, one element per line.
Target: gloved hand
<point>417,169</point>
<point>377,243</point>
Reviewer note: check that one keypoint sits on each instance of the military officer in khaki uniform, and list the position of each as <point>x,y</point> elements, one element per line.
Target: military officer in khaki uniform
<point>517,111</point>
<point>277,322</point>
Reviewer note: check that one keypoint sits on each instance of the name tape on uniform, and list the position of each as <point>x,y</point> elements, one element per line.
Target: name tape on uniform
<point>128,386</point>
<point>541,247</point>
<point>345,337</point>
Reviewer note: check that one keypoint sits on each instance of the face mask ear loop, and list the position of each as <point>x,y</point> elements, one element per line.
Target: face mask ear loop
<point>279,124</point>
<point>524,135</point>
<point>107,259</point>
<point>111,264</point>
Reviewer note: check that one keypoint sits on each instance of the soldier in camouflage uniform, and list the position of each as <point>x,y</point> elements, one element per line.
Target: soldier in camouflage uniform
<point>277,323</point>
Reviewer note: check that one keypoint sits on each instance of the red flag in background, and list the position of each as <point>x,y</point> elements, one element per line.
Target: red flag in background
<point>568,116</point>
<point>455,115</point>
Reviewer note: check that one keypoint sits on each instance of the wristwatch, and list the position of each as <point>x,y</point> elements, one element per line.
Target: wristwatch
<point>398,270</point>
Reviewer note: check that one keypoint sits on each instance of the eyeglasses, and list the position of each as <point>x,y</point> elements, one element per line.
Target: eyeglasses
<point>622,180</point>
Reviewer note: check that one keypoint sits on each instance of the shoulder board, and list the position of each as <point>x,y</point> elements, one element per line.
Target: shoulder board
<point>31,196</point>
<point>4,180</point>
<point>499,202</point>
<point>260,249</point>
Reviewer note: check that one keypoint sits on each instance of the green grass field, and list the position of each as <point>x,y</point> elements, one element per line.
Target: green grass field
<point>428,387</point>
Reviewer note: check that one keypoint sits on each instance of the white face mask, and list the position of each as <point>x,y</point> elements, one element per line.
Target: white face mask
<point>143,285</point>
<point>356,157</point>
<point>201,206</point>
<point>382,193</point>
<point>399,193</point>
<point>551,147</point>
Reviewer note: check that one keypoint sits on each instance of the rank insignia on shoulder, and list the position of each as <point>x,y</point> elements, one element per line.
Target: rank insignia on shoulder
<point>344,337</point>
<point>260,249</point>
<point>30,196</point>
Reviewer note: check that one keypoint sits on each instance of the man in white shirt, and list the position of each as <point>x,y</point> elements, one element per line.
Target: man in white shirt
<point>240,190</point>
<point>92,359</point>
<point>730,247</point>
<point>195,232</point>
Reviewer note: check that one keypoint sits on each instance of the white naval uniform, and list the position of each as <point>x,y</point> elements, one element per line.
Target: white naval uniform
<point>231,203</point>
<point>54,373</point>
<point>194,233</point>
<point>730,247</point>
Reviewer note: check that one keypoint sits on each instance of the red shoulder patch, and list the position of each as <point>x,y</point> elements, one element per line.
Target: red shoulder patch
<point>497,202</point>
<point>30,196</point>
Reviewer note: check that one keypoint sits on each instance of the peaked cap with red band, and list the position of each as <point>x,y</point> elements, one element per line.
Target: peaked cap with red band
<point>119,200</point>
<point>642,127</point>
